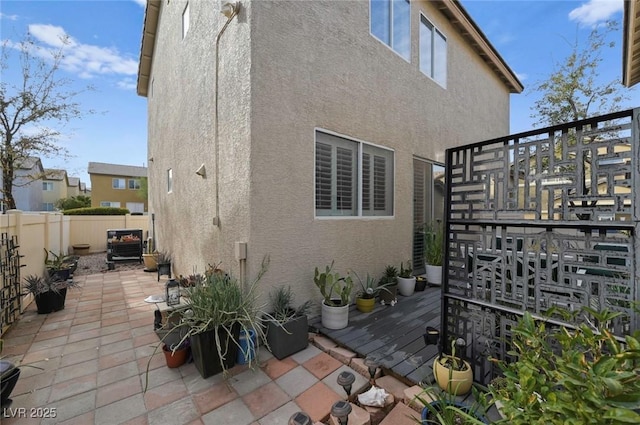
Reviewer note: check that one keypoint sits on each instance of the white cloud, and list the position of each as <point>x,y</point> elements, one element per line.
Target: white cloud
<point>9,17</point>
<point>522,76</point>
<point>85,60</point>
<point>127,84</point>
<point>142,3</point>
<point>595,11</point>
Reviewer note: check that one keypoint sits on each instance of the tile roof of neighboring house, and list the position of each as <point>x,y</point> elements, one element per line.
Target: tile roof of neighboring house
<point>29,163</point>
<point>53,174</point>
<point>117,170</point>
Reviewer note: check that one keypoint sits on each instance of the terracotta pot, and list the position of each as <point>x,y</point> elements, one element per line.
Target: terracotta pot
<point>456,382</point>
<point>177,358</point>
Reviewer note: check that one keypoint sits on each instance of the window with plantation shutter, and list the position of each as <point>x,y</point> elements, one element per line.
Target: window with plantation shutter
<point>343,187</point>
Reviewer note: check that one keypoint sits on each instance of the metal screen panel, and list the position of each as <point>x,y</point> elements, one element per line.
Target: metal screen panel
<point>537,220</point>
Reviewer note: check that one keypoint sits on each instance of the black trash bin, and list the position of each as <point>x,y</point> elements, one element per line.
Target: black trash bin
<point>9,374</point>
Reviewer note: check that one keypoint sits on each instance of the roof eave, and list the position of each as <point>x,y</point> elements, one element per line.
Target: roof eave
<point>465,25</point>
<point>631,43</point>
<point>151,14</point>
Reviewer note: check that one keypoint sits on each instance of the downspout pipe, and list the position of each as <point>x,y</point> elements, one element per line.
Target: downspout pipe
<point>230,10</point>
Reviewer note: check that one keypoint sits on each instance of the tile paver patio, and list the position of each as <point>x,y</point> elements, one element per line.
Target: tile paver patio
<point>94,354</point>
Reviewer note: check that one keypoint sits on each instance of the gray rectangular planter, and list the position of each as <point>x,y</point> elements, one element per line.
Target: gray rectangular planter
<point>293,338</point>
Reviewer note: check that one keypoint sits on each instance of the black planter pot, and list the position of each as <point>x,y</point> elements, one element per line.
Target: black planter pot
<point>50,301</point>
<point>289,339</point>
<point>9,375</point>
<point>421,284</point>
<point>205,352</point>
<point>164,269</point>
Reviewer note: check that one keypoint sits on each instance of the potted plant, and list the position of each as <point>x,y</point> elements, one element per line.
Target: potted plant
<point>217,308</point>
<point>286,327</point>
<point>48,291</point>
<point>453,374</point>
<point>406,281</point>
<point>433,251</point>
<point>150,257</point>
<point>163,259</point>
<point>421,283</point>
<point>366,295</point>
<point>176,355</point>
<point>335,309</point>
<point>390,281</point>
<point>60,265</point>
<point>446,409</point>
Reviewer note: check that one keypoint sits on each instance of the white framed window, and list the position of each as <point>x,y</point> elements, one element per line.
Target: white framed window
<point>48,206</point>
<point>390,22</point>
<point>47,187</point>
<point>134,184</point>
<point>433,52</point>
<point>110,204</point>
<point>135,207</point>
<point>169,180</point>
<point>118,183</point>
<point>352,178</point>
<point>185,21</point>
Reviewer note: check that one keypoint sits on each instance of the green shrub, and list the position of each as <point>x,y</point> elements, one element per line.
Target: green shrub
<point>97,211</point>
<point>589,378</point>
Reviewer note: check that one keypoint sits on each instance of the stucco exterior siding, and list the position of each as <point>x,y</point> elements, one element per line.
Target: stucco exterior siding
<point>316,65</point>
<point>285,70</point>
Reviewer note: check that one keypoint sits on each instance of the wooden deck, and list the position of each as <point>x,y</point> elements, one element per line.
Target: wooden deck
<point>394,334</point>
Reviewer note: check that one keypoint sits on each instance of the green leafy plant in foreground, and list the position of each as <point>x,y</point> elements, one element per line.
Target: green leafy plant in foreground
<point>590,378</point>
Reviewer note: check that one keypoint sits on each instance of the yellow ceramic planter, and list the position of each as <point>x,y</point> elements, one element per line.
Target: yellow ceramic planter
<point>456,382</point>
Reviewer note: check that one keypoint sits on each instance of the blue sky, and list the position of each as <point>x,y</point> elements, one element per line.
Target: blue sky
<point>530,35</point>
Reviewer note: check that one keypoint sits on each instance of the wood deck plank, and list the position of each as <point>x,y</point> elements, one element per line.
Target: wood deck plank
<point>393,334</point>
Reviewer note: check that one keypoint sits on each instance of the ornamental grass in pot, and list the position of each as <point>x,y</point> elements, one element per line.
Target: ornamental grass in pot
<point>217,309</point>
<point>286,327</point>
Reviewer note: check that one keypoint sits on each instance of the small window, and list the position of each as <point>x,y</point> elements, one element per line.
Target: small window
<point>48,206</point>
<point>47,187</point>
<point>433,52</point>
<point>110,204</point>
<point>352,178</point>
<point>390,22</point>
<point>169,180</point>
<point>185,21</point>
<point>134,184</point>
<point>118,183</point>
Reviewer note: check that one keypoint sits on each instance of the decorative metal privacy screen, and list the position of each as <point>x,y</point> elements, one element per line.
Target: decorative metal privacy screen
<point>10,294</point>
<point>541,219</point>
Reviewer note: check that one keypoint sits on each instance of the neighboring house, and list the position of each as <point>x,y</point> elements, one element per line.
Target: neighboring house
<point>631,43</point>
<point>27,185</point>
<point>55,185</point>
<point>74,187</point>
<point>329,121</point>
<point>114,185</point>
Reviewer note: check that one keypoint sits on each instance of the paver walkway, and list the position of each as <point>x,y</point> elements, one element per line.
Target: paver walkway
<point>93,356</point>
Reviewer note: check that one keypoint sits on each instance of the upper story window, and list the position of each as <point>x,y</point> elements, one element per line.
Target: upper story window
<point>433,52</point>
<point>352,178</point>
<point>118,184</point>
<point>185,21</point>
<point>134,184</point>
<point>390,22</point>
<point>47,186</point>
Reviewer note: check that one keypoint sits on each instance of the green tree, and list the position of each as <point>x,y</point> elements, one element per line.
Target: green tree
<point>31,109</point>
<point>571,92</point>
<point>143,192</point>
<point>73,202</point>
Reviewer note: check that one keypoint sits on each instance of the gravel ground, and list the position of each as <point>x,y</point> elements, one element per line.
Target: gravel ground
<point>97,263</point>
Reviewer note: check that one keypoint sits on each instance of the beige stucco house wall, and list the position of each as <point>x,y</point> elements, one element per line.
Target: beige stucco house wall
<point>55,185</point>
<point>287,69</point>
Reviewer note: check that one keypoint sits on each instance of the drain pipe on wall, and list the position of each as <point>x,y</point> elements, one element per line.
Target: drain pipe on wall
<point>230,10</point>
